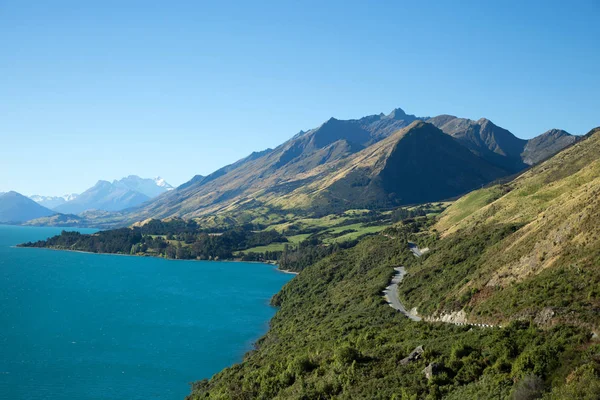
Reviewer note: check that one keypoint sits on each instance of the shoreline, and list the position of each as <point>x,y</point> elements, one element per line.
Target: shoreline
<point>285,271</point>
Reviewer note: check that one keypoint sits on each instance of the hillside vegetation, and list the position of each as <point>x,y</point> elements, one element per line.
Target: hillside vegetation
<point>539,235</point>
<point>293,243</point>
<point>335,337</point>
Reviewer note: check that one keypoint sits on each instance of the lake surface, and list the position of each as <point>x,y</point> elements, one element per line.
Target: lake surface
<point>92,326</point>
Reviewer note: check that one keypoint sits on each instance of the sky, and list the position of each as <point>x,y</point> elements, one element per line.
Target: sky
<point>102,90</point>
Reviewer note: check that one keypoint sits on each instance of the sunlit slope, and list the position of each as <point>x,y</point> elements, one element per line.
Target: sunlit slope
<point>414,165</point>
<point>528,195</point>
<point>323,171</point>
<point>526,249</point>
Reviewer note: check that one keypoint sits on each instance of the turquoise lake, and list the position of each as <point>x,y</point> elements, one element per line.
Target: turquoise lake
<point>92,326</point>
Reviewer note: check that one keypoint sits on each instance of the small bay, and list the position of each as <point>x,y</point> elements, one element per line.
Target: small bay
<point>94,326</point>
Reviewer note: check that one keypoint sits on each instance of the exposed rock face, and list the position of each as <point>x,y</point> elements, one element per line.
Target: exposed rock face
<point>491,142</point>
<point>544,316</point>
<point>431,370</point>
<point>499,146</point>
<point>455,317</point>
<point>546,144</point>
<point>413,356</point>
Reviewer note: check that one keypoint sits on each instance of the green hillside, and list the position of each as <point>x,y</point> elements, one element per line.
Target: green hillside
<point>335,337</point>
<point>539,234</point>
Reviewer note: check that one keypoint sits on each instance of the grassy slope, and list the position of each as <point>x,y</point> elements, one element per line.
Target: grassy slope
<point>262,249</point>
<point>358,230</point>
<point>510,251</point>
<point>308,223</point>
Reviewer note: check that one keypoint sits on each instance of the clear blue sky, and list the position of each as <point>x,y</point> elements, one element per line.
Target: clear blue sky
<point>101,90</point>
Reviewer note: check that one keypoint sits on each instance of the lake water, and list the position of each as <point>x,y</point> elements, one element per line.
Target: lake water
<point>91,326</point>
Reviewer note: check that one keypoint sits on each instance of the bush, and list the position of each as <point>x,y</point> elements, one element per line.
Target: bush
<point>582,384</point>
<point>346,355</point>
<point>300,366</point>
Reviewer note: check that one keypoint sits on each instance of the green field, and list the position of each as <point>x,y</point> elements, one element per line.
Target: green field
<point>298,238</point>
<point>359,230</point>
<point>269,247</point>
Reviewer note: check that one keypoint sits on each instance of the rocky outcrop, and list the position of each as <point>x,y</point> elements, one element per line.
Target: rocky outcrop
<point>431,370</point>
<point>544,316</point>
<point>455,317</point>
<point>413,356</point>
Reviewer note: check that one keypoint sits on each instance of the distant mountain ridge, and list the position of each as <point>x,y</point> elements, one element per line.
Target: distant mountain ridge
<point>115,196</point>
<point>149,187</point>
<point>498,145</point>
<point>16,208</point>
<point>547,144</point>
<point>53,201</point>
<point>403,168</point>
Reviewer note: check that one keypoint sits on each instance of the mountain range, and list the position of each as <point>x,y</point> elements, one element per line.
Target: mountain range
<point>94,203</point>
<point>376,161</point>
<point>114,196</point>
<point>501,147</point>
<point>53,201</point>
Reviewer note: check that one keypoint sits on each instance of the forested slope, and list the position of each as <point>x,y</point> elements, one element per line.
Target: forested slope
<point>335,337</point>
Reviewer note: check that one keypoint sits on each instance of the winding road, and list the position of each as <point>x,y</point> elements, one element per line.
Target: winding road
<point>391,294</point>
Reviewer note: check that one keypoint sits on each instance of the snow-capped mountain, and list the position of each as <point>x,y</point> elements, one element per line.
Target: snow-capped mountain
<point>53,201</point>
<point>162,183</point>
<point>116,195</point>
<point>149,187</point>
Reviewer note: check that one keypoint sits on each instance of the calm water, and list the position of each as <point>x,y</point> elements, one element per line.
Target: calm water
<point>88,326</point>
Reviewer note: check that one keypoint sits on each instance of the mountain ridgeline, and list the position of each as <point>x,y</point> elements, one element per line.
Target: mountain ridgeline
<point>378,161</point>
<point>115,196</point>
<point>52,202</point>
<point>96,204</point>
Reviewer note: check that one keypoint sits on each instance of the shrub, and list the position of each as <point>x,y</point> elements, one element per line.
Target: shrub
<point>346,355</point>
